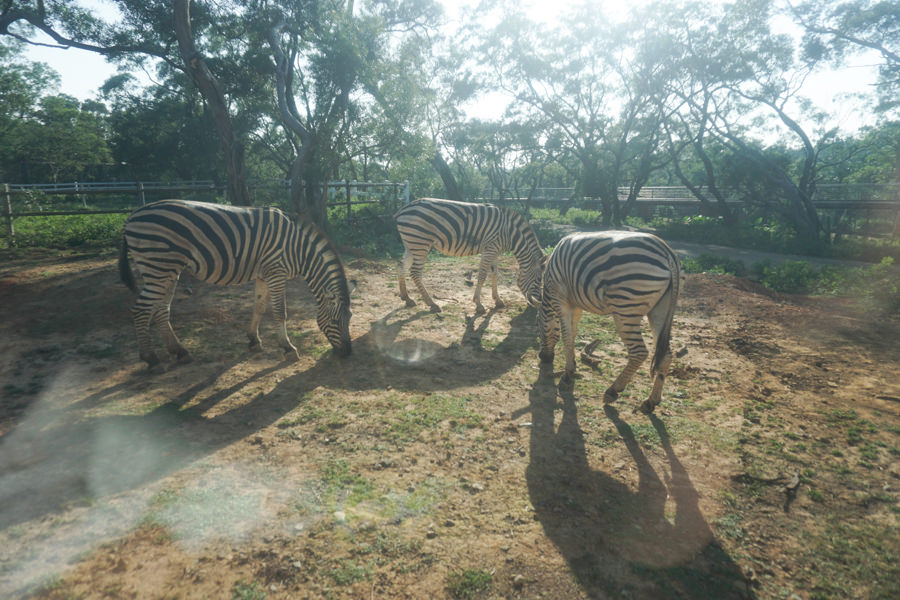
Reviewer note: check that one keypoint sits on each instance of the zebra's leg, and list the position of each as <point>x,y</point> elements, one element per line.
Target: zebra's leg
<point>498,303</point>
<point>276,283</point>
<point>161,319</point>
<point>402,269</point>
<point>657,317</point>
<point>415,272</point>
<point>629,329</point>
<point>568,325</point>
<point>487,259</point>
<point>142,312</point>
<point>261,299</point>
<point>548,327</point>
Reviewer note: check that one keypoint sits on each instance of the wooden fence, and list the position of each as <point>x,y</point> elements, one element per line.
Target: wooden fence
<point>870,209</point>
<point>71,198</point>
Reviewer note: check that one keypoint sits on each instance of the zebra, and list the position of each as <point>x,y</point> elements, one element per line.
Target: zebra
<point>464,229</point>
<point>230,245</point>
<point>626,274</point>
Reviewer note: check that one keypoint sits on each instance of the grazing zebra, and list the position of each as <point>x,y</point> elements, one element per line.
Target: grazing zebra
<point>464,229</point>
<point>229,245</point>
<point>626,274</point>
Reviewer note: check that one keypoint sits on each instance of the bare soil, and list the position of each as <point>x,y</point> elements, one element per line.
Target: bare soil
<point>439,460</point>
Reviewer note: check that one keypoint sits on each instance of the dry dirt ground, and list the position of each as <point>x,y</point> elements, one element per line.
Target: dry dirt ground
<point>439,461</point>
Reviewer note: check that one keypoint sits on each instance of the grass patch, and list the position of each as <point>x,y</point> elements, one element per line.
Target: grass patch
<point>428,412</point>
<point>852,559</point>
<point>348,572</point>
<point>469,583</point>
<point>243,590</point>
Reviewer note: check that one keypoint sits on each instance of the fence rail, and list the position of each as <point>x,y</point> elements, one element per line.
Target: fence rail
<point>28,200</point>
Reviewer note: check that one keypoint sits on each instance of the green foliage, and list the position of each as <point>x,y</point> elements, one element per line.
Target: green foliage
<point>791,276</point>
<point>348,572</point>
<point>69,231</point>
<point>876,287</point>
<point>469,583</point>
<point>710,263</point>
<point>771,237</point>
<point>247,591</point>
<point>371,231</point>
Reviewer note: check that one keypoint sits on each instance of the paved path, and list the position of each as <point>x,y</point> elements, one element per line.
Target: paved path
<point>749,257</point>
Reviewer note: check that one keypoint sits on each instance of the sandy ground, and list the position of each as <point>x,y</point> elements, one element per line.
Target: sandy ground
<point>439,460</point>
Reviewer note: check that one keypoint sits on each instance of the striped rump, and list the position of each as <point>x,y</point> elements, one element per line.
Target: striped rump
<point>625,274</point>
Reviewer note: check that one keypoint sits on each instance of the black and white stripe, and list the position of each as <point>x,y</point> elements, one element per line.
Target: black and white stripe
<point>464,229</point>
<point>229,245</point>
<point>622,273</point>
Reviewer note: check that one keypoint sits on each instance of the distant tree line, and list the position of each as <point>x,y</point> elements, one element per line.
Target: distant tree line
<point>705,95</point>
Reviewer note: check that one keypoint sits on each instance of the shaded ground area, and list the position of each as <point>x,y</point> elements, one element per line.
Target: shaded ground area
<point>440,460</point>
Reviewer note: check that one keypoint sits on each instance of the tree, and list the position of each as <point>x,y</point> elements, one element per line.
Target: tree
<point>331,65</point>
<point>836,28</point>
<point>60,139</point>
<point>144,30</point>
<point>21,86</point>
<point>579,84</point>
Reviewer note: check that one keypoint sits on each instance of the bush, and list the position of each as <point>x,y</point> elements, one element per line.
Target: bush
<point>791,276</point>
<point>708,263</point>
<point>876,288</point>
<point>68,231</point>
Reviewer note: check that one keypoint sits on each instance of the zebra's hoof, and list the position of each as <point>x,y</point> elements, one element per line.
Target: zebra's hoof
<point>157,369</point>
<point>610,396</point>
<point>546,357</point>
<point>567,380</point>
<point>291,355</point>
<point>410,303</point>
<point>499,304</point>
<point>435,308</point>
<point>255,347</point>
<point>646,407</point>
<point>479,310</point>
<point>184,357</point>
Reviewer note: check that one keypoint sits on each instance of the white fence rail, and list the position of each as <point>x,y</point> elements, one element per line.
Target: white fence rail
<point>32,200</point>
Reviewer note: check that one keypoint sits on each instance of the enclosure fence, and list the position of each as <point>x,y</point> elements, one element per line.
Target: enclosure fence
<point>342,198</point>
<point>866,209</point>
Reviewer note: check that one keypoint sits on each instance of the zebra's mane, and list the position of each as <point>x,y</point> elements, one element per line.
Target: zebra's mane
<point>316,232</point>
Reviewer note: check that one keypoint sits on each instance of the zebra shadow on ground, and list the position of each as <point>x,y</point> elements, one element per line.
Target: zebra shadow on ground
<point>398,351</point>
<point>618,541</point>
<point>59,458</point>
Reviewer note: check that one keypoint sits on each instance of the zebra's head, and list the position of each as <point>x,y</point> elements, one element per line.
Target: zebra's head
<point>333,317</point>
<point>530,279</point>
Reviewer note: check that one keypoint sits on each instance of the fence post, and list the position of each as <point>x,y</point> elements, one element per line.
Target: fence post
<point>9,217</point>
<point>406,191</point>
<point>347,193</point>
<point>141,196</point>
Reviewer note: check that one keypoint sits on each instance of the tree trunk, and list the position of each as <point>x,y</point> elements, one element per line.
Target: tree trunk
<point>443,169</point>
<point>232,147</point>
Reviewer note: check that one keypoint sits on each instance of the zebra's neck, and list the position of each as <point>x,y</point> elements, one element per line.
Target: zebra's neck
<point>317,261</point>
<point>523,241</point>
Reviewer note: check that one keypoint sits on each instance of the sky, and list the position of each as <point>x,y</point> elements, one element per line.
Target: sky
<point>83,72</point>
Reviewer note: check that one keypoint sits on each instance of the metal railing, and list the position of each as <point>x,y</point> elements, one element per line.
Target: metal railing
<point>31,200</point>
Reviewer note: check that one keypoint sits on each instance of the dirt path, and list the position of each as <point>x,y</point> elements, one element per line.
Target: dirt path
<point>439,460</point>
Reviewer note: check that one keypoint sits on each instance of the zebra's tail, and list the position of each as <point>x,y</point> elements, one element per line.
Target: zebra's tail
<point>665,334</point>
<point>125,273</point>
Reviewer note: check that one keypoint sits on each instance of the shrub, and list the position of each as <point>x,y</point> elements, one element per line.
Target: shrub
<point>469,583</point>
<point>709,263</point>
<point>68,231</point>
<point>791,276</point>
